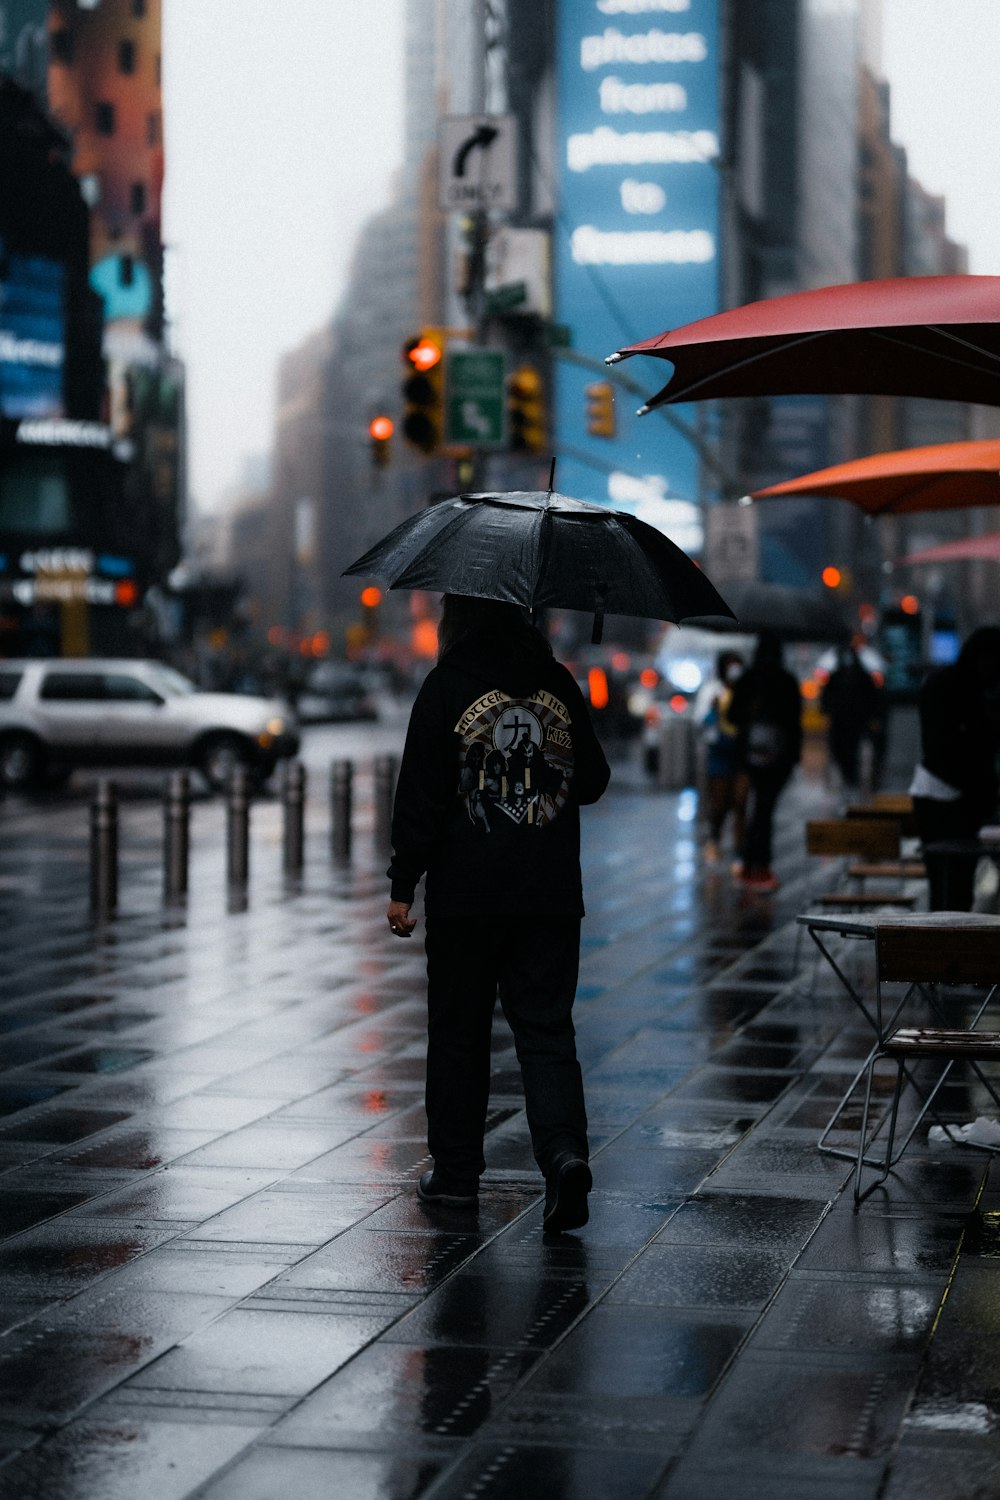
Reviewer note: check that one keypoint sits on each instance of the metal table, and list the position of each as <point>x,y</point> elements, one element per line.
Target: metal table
<point>936,928</point>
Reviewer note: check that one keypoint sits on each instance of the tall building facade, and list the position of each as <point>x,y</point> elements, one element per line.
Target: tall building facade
<point>91,457</point>
<point>351,371</point>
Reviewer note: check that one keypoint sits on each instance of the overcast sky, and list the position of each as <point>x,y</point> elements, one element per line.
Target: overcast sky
<point>942,61</point>
<point>283,130</point>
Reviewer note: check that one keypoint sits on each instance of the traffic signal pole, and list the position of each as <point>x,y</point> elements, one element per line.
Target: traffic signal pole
<point>616,377</point>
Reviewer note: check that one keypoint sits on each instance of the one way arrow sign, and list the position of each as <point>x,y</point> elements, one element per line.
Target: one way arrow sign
<point>478,162</point>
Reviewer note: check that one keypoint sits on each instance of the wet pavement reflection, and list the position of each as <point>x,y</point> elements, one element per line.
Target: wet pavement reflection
<point>216,1280</point>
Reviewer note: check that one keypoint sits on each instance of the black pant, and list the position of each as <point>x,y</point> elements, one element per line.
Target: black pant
<point>533,962</point>
<point>951,878</point>
<point>765,788</point>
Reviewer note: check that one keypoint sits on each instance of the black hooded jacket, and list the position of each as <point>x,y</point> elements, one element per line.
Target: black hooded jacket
<point>500,754</point>
<point>960,736</point>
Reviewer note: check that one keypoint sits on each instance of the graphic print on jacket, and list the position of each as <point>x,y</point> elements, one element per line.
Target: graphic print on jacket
<point>516,758</point>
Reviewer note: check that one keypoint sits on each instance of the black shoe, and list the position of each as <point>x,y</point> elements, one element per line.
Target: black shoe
<point>566,1195</point>
<point>431,1191</point>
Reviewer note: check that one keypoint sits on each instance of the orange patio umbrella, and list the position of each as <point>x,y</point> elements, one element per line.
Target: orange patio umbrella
<point>985,548</point>
<point>944,476</point>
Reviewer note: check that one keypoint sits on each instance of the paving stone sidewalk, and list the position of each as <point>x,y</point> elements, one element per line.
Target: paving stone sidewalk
<point>215,1279</point>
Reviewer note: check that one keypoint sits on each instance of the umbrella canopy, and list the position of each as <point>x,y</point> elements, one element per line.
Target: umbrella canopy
<point>985,548</point>
<point>792,614</point>
<point>543,549</point>
<point>944,476</point>
<point>911,336</point>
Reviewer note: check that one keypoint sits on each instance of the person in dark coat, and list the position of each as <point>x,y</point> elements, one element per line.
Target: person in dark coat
<point>500,755</point>
<point>853,703</point>
<point>766,711</point>
<point>954,787</point>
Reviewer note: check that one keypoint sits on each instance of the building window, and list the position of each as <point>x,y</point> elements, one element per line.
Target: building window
<point>61,45</point>
<point>90,188</point>
<point>126,57</point>
<point>34,495</point>
<point>137,197</point>
<point>153,129</point>
<point>138,9</point>
<point>104,118</point>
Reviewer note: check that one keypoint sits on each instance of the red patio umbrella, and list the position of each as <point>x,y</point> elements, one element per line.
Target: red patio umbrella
<point>933,336</point>
<point>944,476</point>
<point>985,548</point>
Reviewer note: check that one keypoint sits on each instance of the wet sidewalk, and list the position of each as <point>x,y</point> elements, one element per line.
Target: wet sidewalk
<point>215,1279</point>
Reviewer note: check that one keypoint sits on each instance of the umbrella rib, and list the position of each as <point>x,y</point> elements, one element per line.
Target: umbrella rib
<point>544,549</point>
<point>888,507</point>
<point>740,364</point>
<point>791,343</point>
<point>951,359</point>
<point>966,343</point>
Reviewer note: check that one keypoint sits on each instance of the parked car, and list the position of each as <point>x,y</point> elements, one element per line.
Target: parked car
<point>57,715</point>
<point>335,692</point>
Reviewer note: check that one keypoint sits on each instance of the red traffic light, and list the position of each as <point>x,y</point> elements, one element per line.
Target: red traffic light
<point>423,354</point>
<point>381,428</point>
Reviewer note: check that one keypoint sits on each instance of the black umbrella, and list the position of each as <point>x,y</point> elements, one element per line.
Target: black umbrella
<point>792,614</point>
<point>541,549</point>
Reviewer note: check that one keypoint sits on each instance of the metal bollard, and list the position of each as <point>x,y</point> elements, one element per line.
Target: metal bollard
<point>176,836</point>
<point>341,796</point>
<point>385,785</point>
<point>293,802</point>
<point>238,827</point>
<point>104,850</point>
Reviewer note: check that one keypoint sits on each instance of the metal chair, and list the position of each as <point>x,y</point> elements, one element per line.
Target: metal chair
<point>950,950</point>
<point>876,840</point>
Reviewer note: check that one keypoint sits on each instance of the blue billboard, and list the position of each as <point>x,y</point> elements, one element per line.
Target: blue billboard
<point>32,349</point>
<point>637,234</point>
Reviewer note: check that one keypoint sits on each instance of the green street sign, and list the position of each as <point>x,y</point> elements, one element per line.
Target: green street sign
<point>506,298</point>
<point>474,398</point>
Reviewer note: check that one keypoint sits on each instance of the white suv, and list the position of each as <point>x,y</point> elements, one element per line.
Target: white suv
<point>57,715</point>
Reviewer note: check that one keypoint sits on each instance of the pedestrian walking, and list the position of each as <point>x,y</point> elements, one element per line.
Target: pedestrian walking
<point>853,703</point>
<point>954,787</point>
<point>766,711</point>
<point>726,783</point>
<point>500,754</point>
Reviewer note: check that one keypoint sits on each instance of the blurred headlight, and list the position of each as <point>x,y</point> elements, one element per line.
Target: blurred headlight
<point>685,674</point>
<point>275,726</point>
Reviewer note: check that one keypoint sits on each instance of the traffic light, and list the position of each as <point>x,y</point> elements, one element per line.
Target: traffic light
<point>423,390</point>
<point>601,409</point>
<point>526,424</point>
<point>380,430</point>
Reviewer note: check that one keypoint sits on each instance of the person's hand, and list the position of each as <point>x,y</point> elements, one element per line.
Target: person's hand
<point>401,924</point>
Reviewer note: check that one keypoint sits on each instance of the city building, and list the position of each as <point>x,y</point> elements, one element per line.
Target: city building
<point>669,161</point>
<point>91,516</point>
<point>64,581</point>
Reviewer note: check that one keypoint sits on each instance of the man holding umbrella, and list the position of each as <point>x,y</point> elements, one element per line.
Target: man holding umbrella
<point>500,754</point>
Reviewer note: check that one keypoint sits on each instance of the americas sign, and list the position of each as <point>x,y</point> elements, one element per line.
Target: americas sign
<point>637,238</point>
